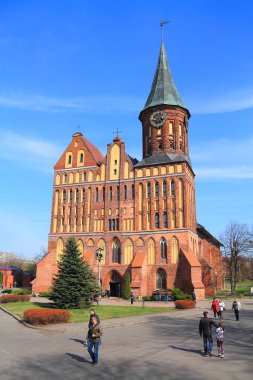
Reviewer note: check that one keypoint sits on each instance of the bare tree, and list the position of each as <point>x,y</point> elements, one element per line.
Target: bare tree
<point>237,242</point>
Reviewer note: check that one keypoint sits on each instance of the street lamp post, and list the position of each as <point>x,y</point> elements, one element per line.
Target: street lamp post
<point>99,257</point>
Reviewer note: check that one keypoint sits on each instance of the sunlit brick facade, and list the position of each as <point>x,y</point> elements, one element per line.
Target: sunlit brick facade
<point>142,214</point>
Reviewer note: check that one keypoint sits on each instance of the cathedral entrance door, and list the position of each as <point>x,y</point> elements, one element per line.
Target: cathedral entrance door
<point>114,289</point>
<point>115,284</point>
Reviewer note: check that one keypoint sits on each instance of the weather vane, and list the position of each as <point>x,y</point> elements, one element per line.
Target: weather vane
<point>117,132</point>
<point>162,23</point>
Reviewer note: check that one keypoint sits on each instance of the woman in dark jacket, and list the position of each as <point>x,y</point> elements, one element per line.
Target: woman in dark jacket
<point>94,341</point>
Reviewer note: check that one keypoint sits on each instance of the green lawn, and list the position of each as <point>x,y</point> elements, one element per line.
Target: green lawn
<point>78,315</point>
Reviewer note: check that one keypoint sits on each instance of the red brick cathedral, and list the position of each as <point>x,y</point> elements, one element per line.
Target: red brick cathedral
<point>142,214</point>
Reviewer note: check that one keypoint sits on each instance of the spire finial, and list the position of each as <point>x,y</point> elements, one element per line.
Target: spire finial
<point>162,23</point>
<point>117,132</point>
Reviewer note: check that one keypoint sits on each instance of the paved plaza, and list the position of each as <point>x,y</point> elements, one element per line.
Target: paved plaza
<point>161,346</point>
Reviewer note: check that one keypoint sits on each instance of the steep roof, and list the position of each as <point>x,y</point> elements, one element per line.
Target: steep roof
<point>163,158</point>
<point>94,150</point>
<point>202,231</point>
<point>163,90</point>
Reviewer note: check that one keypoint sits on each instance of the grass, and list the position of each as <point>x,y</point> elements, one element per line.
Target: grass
<point>242,287</point>
<point>79,315</point>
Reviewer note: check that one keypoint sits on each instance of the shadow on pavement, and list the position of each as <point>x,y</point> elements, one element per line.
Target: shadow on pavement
<point>199,352</point>
<point>81,341</point>
<point>78,358</point>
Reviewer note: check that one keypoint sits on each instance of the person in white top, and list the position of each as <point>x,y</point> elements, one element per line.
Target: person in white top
<point>221,307</point>
<point>220,340</point>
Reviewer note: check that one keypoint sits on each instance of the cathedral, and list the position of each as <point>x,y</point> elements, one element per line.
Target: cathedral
<point>140,215</point>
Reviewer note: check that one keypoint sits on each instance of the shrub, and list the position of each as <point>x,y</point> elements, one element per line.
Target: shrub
<point>185,304</point>
<point>147,298</point>
<point>45,316</point>
<point>22,291</point>
<point>126,289</point>
<point>14,298</point>
<point>44,294</point>
<point>178,294</point>
<point>9,291</point>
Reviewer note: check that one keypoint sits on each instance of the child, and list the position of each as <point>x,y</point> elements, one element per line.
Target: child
<point>220,340</point>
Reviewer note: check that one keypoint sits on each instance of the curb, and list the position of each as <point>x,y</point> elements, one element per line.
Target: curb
<point>105,327</point>
<point>27,324</point>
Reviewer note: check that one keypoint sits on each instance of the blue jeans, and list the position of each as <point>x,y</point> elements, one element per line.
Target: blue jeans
<point>208,339</point>
<point>93,350</point>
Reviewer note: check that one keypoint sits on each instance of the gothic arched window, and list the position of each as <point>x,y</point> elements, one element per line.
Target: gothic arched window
<point>161,279</point>
<point>163,248</point>
<point>116,251</point>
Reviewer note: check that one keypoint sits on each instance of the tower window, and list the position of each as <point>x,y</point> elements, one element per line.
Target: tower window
<point>156,220</point>
<point>69,159</point>
<point>157,189</point>
<point>70,196</point>
<point>77,195</point>
<point>81,157</point>
<point>96,194</point>
<point>163,248</point>
<point>133,195</point>
<point>110,194</point>
<point>115,162</point>
<point>172,188</point>
<point>125,192</point>
<point>118,193</point>
<point>165,219</point>
<point>115,171</point>
<point>160,145</point>
<point>148,190</point>
<point>64,195</point>
<point>84,176</point>
<point>103,194</point>
<point>164,188</point>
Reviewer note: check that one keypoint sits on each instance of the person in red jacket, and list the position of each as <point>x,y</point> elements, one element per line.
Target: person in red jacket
<point>215,307</point>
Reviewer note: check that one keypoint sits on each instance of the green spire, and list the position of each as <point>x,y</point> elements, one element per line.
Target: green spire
<point>163,90</point>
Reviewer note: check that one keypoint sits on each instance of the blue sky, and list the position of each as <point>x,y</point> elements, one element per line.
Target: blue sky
<point>82,65</point>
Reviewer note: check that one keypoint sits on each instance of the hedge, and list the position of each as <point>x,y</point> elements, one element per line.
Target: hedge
<point>185,304</point>
<point>14,298</point>
<point>46,316</point>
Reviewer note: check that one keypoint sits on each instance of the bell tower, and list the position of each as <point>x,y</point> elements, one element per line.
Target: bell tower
<point>164,117</point>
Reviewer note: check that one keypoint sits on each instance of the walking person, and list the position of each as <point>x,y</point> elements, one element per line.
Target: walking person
<point>215,307</point>
<point>92,314</point>
<point>132,298</point>
<point>221,308</point>
<point>236,306</point>
<point>205,330</point>
<point>94,339</point>
<point>166,298</point>
<point>220,340</point>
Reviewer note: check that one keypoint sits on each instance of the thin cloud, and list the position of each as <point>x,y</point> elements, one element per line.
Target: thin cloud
<point>37,154</point>
<point>225,150</point>
<point>223,159</point>
<point>239,172</point>
<point>234,101</point>
<point>81,104</point>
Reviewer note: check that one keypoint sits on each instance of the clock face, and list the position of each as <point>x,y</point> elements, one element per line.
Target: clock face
<point>158,118</point>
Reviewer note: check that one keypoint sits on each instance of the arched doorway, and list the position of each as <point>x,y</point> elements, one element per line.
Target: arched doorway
<point>115,284</point>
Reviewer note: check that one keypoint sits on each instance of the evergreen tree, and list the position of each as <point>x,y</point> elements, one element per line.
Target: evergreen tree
<point>126,291</point>
<point>74,281</point>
